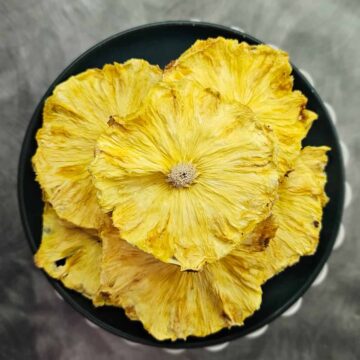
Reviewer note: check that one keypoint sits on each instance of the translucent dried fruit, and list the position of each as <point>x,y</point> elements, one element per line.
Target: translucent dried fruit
<point>257,76</point>
<point>173,304</point>
<point>188,177</point>
<point>298,211</point>
<point>69,254</point>
<point>74,117</point>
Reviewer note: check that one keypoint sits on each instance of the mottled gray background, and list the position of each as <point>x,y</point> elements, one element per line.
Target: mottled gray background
<point>38,38</point>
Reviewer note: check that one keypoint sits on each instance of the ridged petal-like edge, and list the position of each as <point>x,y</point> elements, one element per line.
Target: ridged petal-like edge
<point>73,118</point>
<point>255,75</point>
<point>298,212</point>
<point>79,252</point>
<point>173,304</point>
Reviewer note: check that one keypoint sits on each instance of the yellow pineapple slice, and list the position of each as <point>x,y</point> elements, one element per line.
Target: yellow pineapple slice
<point>74,117</point>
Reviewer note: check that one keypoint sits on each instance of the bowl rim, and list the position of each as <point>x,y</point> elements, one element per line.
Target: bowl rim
<point>63,292</point>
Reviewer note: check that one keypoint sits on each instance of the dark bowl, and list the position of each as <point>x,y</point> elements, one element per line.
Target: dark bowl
<point>159,44</point>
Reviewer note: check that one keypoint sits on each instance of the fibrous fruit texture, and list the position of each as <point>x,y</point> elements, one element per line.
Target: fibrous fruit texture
<point>74,116</point>
<point>177,194</point>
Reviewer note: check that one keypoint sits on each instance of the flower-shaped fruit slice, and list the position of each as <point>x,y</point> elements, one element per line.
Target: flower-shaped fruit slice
<point>174,304</point>
<point>188,177</point>
<point>74,117</point>
<point>298,211</point>
<point>257,76</point>
<point>69,254</point>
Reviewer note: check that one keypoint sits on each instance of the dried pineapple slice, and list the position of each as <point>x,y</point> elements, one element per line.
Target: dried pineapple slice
<point>74,116</point>
<point>257,76</point>
<point>188,177</point>
<point>78,251</point>
<point>173,304</point>
<point>298,211</point>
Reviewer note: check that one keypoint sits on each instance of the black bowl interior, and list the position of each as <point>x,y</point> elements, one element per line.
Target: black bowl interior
<point>159,44</point>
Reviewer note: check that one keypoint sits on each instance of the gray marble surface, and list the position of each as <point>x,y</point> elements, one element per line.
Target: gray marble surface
<point>38,38</point>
